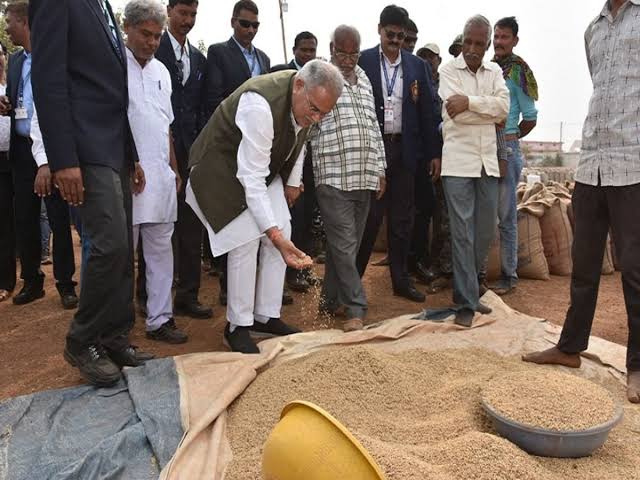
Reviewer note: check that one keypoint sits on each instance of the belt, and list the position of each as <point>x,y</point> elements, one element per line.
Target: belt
<point>392,137</point>
<point>511,137</point>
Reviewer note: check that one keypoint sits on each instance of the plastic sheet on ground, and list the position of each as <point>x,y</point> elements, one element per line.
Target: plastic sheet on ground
<point>169,418</point>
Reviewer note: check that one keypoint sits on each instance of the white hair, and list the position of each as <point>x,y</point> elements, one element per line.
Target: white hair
<point>343,30</point>
<point>319,73</point>
<point>478,21</point>
<point>140,11</point>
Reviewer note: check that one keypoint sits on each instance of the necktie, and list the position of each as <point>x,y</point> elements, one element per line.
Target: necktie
<point>112,27</point>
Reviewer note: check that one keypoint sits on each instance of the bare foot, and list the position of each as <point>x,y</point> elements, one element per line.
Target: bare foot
<point>633,386</point>
<point>553,356</point>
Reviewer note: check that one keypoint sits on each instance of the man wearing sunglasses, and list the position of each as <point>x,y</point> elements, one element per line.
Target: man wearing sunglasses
<point>407,117</point>
<point>229,65</point>
<point>246,167</point>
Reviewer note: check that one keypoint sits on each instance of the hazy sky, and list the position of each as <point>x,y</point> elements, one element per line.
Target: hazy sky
<point>551,39</point>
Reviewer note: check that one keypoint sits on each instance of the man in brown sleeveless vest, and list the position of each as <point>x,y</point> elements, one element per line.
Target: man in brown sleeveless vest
<point>246,167</point>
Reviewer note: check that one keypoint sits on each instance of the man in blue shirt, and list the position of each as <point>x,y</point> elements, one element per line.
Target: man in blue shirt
<point>522,118</point>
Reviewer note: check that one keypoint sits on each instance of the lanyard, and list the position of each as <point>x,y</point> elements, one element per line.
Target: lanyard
<point>391,85</point>
<point>23,80</point>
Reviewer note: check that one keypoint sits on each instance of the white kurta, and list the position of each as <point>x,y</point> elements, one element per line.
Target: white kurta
<point>150,115</point>
<point>267,206</point>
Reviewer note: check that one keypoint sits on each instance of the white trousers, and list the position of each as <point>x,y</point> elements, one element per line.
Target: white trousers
<point>254,287</point>
<point>158,256</point>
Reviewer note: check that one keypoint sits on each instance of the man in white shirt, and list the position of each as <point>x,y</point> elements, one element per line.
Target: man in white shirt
<point>155,209</point>
<point>475,100</point>
<point>251,148</point>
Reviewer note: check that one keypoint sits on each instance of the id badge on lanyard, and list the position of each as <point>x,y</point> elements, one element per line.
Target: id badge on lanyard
<point>20,111</point>
<point>388,105</point>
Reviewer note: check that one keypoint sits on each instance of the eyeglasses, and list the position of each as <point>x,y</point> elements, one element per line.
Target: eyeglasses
<point>246,23</point>
<point>315,111</point>
<point>391,34</point>
<point>180,69</point>
<point>346,56</point>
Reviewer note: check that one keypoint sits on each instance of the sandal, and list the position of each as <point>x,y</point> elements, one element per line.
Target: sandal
<point>4,295</point>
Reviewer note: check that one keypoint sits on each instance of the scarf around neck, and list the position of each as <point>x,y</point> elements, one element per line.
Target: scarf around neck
<point>515,68</point>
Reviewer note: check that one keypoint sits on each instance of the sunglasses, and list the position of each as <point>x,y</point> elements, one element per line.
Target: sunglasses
<point>391,35</point>
<point>246,23</point>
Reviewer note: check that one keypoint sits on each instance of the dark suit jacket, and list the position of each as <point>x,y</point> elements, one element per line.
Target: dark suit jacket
<point>420,119</point>
<point>14,73</point>
<point>284,66</point>
<point>227,69</point>
<point>188,100</point>
<point>80,85</point>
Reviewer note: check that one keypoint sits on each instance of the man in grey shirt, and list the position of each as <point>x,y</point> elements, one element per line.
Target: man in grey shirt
<point>607,189</point>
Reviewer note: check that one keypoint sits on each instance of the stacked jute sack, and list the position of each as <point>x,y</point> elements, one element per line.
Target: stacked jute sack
<point>545,234</point>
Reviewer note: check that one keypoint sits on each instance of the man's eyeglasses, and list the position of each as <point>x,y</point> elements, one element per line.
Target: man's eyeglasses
<point>391,34</point>
<point>315,111</point>
<point>180,69</point>
<point>342,56</point>
<point>246,23</point>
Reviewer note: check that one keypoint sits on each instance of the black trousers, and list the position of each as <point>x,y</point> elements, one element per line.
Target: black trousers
<point>303,210</point>
<point>425,202</point>
<point>598,210</point>
<point>105,314</point>
<point>7,228</point>
<point>27,213</point>
<point>399,204</point>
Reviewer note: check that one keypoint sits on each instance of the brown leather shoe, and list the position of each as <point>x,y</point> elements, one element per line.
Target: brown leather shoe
<point>352,325</point>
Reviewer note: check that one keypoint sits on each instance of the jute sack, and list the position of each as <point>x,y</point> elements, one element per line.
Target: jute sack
<point>557,237</point>
<point>531,260</point>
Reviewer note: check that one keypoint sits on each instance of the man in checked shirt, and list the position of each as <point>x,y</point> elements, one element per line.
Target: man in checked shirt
<point>607,192</point>
<point>348,163</point>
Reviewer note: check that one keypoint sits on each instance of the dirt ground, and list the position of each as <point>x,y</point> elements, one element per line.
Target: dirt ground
<point>32,336</point>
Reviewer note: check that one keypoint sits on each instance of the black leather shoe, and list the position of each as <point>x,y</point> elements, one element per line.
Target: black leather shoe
<point>193,309</point>
<point>483,309</point>
<point>168,333</point>
<point>94,365</point>
<point>423,274</point>
<point>464,317</point>
<point>410,293</point>
<point>297,282</point>
<point>287,299</point>
<point>240,340</point>
<point>29,293</point>
<point>273,328</point>
<point>129,357</point>
<point>68,297</point>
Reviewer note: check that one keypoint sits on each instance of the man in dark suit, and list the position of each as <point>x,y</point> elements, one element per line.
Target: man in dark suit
<point>229,65</point>
<point>187,66</point>
<point>26,176</point>
<point>404,103</point>
<point>302,212</point>
<point>305,46</point>
<point>80,89</point>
